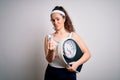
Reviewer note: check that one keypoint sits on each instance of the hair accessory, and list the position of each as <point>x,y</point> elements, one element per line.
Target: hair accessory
<point>58,11</point>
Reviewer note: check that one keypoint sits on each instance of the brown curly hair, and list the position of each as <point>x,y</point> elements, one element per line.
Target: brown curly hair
<point>68,23</point>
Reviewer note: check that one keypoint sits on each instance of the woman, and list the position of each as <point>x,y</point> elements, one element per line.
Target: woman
<point>63,28</point>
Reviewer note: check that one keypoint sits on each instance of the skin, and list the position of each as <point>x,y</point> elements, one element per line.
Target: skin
<point>60,33</point>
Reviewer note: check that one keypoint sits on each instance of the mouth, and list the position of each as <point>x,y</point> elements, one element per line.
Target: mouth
<point>56,26</point>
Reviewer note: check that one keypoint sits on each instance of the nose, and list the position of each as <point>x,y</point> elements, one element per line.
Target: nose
<point>55,22</point>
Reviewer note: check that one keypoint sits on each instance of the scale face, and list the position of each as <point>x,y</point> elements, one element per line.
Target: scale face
<point>69,49</point>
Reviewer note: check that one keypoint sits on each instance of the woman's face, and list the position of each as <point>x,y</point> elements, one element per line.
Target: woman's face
<point>57,20</point>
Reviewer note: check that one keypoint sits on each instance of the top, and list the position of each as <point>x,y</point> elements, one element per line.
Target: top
<point>57,62</point>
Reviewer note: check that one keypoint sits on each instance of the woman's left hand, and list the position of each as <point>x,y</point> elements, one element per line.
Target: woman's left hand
<point>72,66</point>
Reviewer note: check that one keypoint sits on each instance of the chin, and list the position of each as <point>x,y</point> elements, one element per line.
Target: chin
<point>57,29</point>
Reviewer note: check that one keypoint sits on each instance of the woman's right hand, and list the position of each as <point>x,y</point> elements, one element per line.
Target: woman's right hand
<point>51,46</point>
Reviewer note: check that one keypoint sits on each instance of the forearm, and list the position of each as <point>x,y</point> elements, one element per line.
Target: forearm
<point>84,58</point>
<point>50,56</point>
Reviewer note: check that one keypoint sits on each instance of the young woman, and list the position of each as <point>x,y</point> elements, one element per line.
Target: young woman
<point>63,28</point>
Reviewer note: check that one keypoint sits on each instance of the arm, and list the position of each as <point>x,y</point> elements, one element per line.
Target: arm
<point>85,50</point>
<point>49,48</point>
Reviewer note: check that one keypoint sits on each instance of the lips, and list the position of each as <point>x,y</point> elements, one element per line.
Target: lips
<point>56,26</point>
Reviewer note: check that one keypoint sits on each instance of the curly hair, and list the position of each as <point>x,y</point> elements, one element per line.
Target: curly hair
<point>68,23</point>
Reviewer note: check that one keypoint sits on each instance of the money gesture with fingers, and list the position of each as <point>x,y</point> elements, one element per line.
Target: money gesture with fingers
<point>51,45</point>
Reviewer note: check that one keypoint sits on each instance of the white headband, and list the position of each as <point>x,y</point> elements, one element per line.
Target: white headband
<point>58,11</point>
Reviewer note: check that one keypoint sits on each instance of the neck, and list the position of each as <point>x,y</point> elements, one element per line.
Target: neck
<point>62,31</point>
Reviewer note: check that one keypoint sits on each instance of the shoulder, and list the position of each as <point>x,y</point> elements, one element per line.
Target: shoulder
<point>79,41</point>
<point>75,35</point>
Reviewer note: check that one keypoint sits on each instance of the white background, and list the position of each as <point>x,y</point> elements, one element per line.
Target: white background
<point>25,23</point>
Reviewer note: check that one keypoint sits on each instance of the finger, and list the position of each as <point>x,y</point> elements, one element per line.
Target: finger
<point>70,65</point>
<point>70,69</point>
<point>49,44</point>
<point>52,46</point>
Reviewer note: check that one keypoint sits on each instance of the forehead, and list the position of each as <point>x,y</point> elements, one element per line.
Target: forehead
<point>56,15</point>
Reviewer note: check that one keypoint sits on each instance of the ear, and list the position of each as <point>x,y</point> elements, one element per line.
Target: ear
<point>64,18</point>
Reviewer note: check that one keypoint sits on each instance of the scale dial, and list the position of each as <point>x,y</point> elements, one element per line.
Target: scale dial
<point>69,49</point>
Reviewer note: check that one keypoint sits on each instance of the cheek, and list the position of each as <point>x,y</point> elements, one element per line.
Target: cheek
<point>62,21</point>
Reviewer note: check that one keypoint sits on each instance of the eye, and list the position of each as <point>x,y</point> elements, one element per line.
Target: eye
<point>57,19</point>
<point>52,20</point>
